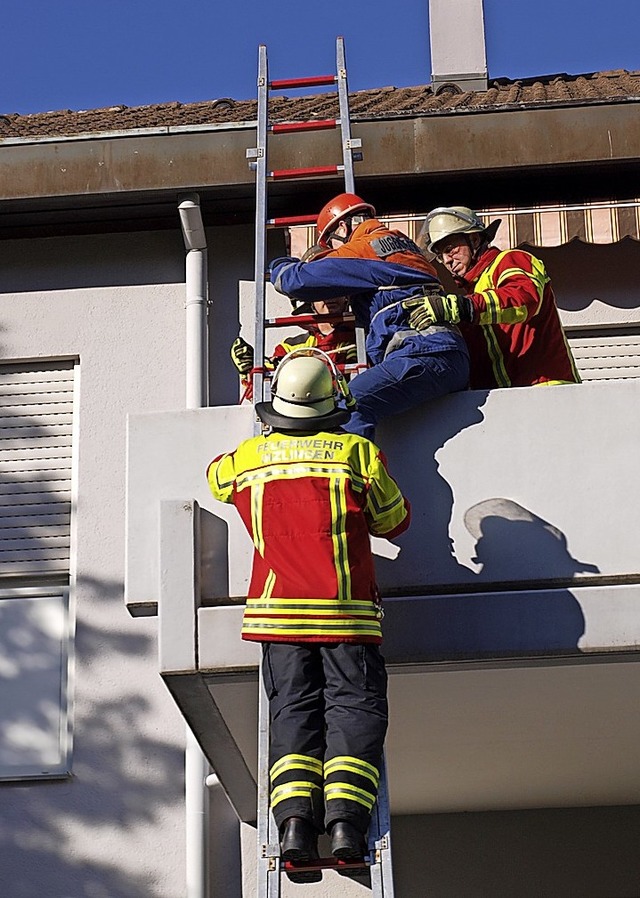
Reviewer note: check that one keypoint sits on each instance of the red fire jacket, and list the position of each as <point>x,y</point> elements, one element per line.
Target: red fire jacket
<point>520,341</point>
<point>309,503</point>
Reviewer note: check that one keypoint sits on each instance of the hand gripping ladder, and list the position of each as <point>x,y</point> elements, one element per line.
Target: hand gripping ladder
<point>377,872</point>
<point>258,157</point>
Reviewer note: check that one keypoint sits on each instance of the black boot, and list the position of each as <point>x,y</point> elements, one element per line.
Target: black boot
<point>299,843</point>
<point>347,842</point>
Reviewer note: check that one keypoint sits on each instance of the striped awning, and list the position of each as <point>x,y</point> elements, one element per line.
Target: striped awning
<point>555,225</point>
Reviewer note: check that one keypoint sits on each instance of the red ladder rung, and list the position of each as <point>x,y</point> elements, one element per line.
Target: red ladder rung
<point>314,81</point>
<point>289,220</point>
<point>284,173</point>
<point>287,320</point>
<point>319,125</point>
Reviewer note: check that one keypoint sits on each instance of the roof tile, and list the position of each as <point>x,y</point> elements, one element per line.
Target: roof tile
<point>378,103</point>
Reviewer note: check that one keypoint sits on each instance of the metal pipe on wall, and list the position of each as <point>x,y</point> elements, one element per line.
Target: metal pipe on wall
<point>196,766</point>
<point>197,289</point>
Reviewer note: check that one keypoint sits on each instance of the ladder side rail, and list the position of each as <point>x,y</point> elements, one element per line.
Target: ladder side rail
<point>348,144</point>
<point>260,230</point>
<point>380,841</point>
<point>268,873</point>
<point>268,836</point>
<point>345,119</point>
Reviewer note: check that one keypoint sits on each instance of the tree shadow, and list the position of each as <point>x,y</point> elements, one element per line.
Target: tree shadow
<point>61,837</point>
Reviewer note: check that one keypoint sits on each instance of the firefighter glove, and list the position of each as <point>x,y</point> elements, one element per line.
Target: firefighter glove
<point>242,355</point>
<point>435,309</point>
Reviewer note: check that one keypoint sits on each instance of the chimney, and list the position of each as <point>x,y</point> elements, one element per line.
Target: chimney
<point>458,52</point>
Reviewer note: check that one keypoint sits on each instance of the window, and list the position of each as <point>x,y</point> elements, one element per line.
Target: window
<point>36,445</point>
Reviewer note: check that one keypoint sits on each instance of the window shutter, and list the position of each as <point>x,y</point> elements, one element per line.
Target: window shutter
<point>606,357</point>
<point>36,420</point>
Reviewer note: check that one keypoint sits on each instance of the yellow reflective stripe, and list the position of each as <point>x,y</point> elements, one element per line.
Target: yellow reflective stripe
<point>257,501</point>
<point>221,477</point>
<point>553,383</point>
<point>290,472</point>
<point>310,627</point>
<point>353,765</point>
<point>576,373</point>
<point>269,583</point>
<point>492,310</point>
<point>314,606</point>
<point>294,789</point>
<point>295,762</point>
<point>496,358</point>
<point>339,539</point>
<point>334,791</point>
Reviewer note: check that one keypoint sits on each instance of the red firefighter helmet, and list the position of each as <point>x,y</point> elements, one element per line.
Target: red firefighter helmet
<point>336,209</point>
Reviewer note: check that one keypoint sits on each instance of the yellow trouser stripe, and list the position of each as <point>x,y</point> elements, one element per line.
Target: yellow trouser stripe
<point>295,762</point>
<point>352,765</point>
<point>334,791</point>
<point>294,789</point>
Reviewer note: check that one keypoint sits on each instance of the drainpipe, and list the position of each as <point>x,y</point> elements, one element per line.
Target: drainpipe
<point>195,241</point>
<point>196,766</point>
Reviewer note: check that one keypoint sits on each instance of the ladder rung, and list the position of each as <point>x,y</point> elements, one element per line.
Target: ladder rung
<point>324,863</point>
<point>318,125</point>
<point>288,320</point>
<point>286,220</point>
<point>314,81</point>
<point>283,173</point>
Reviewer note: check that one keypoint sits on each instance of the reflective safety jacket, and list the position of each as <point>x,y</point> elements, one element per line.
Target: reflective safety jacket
<point>377,269</point>
<point>340,345</point>
<point>520,341</point>
<point>309,503</point>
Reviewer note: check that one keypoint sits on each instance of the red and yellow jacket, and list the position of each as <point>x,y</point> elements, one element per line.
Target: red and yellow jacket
<point>309,503</point>
<point>520,342</point>
<point>340,344</point>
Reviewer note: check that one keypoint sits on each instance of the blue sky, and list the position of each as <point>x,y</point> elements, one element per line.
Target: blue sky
<point>84,54</point>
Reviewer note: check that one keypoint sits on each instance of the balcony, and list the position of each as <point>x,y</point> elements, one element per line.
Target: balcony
<point>512,604</point>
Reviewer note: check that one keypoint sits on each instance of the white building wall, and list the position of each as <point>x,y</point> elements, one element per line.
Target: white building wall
<point>116,827</point>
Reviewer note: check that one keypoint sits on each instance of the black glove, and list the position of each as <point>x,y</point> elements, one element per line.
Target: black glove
<point>242,356</point>
<point>435,309</point>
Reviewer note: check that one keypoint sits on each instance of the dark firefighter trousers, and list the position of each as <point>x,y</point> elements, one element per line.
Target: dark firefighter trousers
<point>328,720</point>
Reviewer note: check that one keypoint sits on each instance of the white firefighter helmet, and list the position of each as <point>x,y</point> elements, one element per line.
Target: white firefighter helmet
<point>447,220</point>
<point>304,391</point>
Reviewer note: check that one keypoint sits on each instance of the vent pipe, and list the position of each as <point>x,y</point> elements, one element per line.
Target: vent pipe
<point>458,50</point>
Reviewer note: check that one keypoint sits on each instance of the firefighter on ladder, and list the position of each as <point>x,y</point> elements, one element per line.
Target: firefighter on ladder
<point>378,269</point>
<point>310,495</point>
<point>336,338</point>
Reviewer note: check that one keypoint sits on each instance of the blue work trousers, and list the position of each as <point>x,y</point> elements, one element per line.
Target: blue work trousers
<point>401,382</point>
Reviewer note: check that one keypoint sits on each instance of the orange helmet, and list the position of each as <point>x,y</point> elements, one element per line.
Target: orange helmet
<point>336,209</point>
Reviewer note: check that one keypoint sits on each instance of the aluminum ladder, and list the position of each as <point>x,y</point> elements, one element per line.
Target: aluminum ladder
<point>258,161</point>
<point>376,872</point>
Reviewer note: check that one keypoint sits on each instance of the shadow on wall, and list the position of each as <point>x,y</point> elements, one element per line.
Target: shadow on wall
<point>516,603</point>
<point>426,548</point>
<point>55,835</point>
